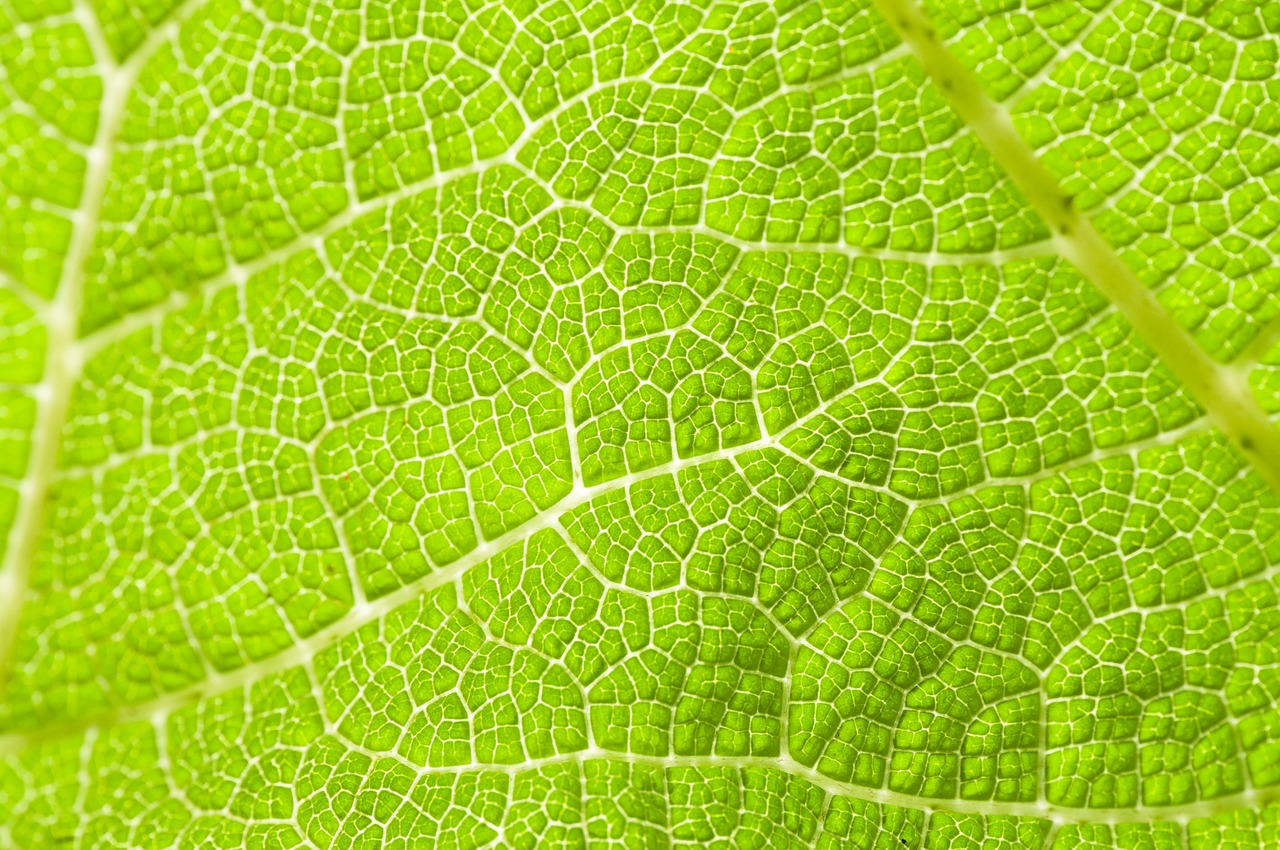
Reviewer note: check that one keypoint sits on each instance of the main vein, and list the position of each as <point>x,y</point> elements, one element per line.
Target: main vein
<point>1222,390</point>
<point>62,366</point>
<point>64,351</point>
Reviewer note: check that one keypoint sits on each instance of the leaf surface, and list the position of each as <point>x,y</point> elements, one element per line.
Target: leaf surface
<point>639,424</point>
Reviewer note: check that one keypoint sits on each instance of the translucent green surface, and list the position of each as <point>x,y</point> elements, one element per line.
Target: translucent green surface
<point>594,424</point>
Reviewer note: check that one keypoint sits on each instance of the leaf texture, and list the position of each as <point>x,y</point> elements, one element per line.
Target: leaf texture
<point>640,424</point>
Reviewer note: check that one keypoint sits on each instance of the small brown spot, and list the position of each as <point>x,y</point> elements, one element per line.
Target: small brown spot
<point>1246,443</point>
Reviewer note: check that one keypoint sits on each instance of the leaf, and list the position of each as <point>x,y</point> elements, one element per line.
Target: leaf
<point>590,424</point>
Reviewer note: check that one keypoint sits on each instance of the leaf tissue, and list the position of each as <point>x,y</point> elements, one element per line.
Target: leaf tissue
<point>649,424</point>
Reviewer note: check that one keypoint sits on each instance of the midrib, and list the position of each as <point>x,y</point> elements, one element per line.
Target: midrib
<point>1220,389</point>
<point>63,363</point>
<point>65,354</point>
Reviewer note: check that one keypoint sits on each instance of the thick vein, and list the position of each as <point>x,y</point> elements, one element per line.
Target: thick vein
<point>883,796</point>
<point>62,367</point>
<point>99,338</point>
<point>1219,389</point>
<point>305,650</point>
<point>64,358</point>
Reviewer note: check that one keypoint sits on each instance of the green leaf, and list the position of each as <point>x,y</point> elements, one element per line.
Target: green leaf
<point>794,424</point>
